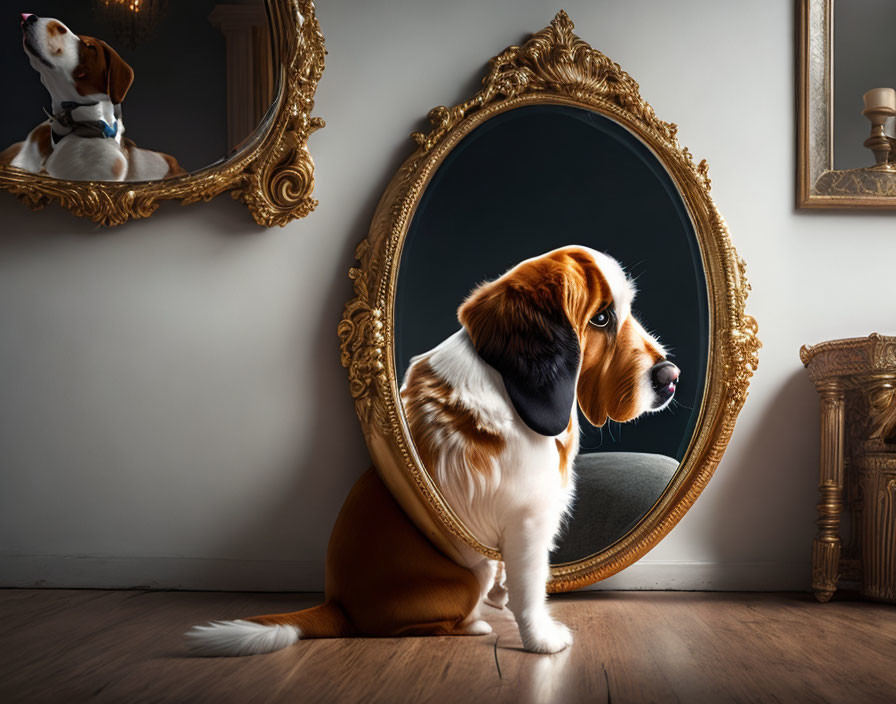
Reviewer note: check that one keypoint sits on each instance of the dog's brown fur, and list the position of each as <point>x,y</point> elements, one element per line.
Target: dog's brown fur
<point>40,135</point>
<point>430,407</point>
<point>567,280</point>
<point>100,69</point>
<point>409,587</point>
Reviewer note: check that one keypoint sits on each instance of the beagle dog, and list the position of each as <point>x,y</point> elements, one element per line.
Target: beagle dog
<point>492,412</point>
<point>84,138</point>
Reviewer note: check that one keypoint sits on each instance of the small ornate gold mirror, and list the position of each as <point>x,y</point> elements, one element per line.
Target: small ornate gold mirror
<point>121,105</point>
<point>560,174</point>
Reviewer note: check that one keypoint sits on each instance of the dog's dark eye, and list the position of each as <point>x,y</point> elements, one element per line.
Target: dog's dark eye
<point>602,319</point>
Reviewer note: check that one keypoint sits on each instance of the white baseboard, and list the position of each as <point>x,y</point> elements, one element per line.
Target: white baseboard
<point>710,576</point>
<point>109,572</point>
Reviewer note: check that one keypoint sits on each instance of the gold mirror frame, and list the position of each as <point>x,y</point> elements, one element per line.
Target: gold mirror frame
<point>819,184</point>
<point>553,67</point>
<point>273,174</point>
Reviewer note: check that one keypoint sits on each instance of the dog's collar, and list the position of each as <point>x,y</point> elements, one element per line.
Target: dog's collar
<point>90,129</point>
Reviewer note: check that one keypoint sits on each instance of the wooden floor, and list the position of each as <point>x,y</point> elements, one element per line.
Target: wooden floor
<point>125,646</point>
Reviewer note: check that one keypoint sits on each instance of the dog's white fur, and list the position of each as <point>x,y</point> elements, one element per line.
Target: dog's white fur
<point>75,158</point>
<point>225,638</point>
<point>520,504</point>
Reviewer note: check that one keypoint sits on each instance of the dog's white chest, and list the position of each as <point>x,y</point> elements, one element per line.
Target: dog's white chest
<point>83,159</point>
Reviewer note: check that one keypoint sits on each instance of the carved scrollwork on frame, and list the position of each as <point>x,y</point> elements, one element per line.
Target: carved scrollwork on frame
<point>273,175</point>
<point>553,67</point>
<point>556,61</point>
<point>363,344</point>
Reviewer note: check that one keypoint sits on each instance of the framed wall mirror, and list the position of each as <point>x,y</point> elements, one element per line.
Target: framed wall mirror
<point>847,105</point>
<point>122,104</point>
<point>557,156</point>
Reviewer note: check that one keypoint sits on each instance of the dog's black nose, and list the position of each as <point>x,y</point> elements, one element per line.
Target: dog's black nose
<point>28,18</point>
<point>664,377</point>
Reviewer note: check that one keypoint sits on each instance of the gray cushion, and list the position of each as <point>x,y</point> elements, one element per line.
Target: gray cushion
<point>613,492</point>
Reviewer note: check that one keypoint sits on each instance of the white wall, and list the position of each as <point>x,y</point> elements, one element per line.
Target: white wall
<point>172,409</point>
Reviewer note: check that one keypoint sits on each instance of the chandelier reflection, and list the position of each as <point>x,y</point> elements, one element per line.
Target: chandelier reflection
<point>133,22</point>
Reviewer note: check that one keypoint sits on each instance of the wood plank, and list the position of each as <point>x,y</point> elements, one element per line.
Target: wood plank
<point>108,646</point>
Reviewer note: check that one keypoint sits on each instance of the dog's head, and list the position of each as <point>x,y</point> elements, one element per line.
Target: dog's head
<point>74,67</point>
<point>560,327</point>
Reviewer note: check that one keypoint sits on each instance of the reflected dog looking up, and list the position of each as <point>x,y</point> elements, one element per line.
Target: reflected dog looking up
<point>83,139</point>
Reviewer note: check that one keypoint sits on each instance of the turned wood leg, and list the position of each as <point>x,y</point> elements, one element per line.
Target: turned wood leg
<point>826,547</point>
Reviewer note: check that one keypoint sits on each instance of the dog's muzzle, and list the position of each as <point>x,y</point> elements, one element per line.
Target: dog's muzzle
<point>664,379</point>
<point>29,23</point>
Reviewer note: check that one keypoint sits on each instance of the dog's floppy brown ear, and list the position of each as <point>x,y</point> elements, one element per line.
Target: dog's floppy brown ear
<point>119,75</point>
<point>528,338</point>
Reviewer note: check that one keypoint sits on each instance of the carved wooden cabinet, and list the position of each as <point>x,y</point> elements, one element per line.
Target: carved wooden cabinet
<point>856,379</point>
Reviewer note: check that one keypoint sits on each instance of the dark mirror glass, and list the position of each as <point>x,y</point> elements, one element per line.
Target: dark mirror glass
<point>133,90</point>
<point>527,182</point>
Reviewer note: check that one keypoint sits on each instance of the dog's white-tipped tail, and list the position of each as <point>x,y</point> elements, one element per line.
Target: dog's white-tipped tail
<point>224,638</point>
<point>265,634</point>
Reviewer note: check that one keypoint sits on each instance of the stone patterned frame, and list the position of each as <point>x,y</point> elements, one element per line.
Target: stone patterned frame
<point>819,184</point>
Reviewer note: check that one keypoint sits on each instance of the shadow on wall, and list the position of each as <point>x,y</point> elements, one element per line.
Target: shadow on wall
<point>316,479</point>
<point>320,472</point>
<point>168,254</point>
<point>766,494</point>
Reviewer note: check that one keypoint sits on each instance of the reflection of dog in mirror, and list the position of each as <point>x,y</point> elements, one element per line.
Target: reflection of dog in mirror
<point>84,138</point>
<point>492,411</point>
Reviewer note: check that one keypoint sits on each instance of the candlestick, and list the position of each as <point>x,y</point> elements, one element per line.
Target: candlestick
<point>880,104</point>
<point>880,98</point>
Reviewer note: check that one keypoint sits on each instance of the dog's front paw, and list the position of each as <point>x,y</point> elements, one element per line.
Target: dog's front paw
<point>547,636</point>
<point>477,628</point>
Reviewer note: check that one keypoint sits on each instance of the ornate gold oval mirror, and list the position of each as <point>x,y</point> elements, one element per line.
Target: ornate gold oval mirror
<point>556,158</point>
<point>216,96</point>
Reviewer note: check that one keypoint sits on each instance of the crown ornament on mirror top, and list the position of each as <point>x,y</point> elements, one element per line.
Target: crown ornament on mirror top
<point>557,60</point>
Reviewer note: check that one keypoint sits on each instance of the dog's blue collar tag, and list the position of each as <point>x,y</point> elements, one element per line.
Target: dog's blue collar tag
<point>100,128</point>
<point>83,128</point>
